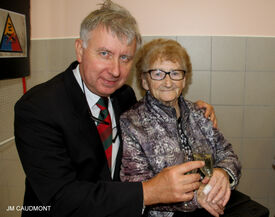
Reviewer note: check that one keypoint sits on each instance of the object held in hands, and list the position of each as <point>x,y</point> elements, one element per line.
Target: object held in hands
<point>207,170</point>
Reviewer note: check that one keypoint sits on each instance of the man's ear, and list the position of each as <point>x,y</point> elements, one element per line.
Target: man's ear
<point>79,49</point>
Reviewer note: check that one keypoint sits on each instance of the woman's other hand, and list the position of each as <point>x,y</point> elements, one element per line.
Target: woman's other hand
<point>214,209</point>
<point>219,186</point>
<point>209,111</point>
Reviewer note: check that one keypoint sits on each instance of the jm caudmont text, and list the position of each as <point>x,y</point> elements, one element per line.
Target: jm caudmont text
<point>28,208</point>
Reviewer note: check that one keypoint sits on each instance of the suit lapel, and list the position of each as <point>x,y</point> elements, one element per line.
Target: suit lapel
<point>119,154</point>
<point>86,125</point>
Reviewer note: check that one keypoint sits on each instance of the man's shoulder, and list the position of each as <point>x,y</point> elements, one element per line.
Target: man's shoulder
<point>124,92</point>
<point>43,90</point>
<point>125,97</point>
<point>47,90</point>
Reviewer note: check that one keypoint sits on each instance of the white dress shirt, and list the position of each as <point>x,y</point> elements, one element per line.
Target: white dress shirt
<point>92,100</point>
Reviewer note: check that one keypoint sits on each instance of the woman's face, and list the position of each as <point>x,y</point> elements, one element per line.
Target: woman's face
<point>167,91</point>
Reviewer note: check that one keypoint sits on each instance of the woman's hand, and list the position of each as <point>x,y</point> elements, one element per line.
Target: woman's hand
<point>214,209</point>
<point>209,111</point>
<point>218,187</point>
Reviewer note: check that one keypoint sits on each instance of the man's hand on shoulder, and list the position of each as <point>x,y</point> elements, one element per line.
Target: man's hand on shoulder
<point>209,112</point>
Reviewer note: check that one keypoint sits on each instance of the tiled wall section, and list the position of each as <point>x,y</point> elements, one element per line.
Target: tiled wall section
<point>235,74</point>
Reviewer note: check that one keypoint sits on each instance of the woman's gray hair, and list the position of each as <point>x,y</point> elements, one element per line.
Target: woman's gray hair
<point>114,18</point>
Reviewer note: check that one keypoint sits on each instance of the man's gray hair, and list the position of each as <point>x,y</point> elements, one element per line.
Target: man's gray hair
<point>114,18</point>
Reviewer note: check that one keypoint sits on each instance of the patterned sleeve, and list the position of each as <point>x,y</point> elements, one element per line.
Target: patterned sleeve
<point>224,156</point>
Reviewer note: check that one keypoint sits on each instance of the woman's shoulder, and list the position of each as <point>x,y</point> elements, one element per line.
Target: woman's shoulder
<point>197,114</point>
<point>194,109</point>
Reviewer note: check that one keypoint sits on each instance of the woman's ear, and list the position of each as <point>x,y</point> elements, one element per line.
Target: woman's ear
<point>144,82</point>
<point>79,49</point>
<point>184,81</point>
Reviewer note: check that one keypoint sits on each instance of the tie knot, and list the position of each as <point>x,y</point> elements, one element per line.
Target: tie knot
<point>103,102</point>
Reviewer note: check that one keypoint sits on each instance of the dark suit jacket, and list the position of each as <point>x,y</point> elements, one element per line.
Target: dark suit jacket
<point>62,154</point>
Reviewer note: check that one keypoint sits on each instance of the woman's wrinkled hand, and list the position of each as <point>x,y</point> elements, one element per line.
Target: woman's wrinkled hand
<point>214,192</point>
<point>219,186</point>
<point>214,209</point>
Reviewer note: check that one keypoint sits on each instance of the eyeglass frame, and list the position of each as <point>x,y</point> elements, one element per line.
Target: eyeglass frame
<point>166,73</point>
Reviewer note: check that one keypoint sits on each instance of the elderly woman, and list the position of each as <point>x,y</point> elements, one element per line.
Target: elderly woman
<point>163,126</point>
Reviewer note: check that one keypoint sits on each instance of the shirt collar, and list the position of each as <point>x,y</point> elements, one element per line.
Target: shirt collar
<point>91,97</point>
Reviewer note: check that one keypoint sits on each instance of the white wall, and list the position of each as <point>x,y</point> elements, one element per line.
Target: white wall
<point>62,18</point>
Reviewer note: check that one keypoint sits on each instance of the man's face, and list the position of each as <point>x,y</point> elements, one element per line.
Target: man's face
<point>106,62</point>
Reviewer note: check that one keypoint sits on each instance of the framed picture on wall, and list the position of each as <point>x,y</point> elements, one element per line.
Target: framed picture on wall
<point>14,39</point>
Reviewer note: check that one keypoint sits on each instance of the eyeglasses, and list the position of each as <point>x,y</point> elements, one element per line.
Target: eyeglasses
<point>159,74</point>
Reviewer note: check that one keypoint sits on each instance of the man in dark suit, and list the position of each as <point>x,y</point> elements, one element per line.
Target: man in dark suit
<point>60,146</point>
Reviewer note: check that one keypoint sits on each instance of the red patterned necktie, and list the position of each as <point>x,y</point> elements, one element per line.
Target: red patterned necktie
<point>105,128</point>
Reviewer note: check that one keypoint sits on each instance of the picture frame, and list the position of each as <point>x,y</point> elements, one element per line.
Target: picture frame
<point>14,39</point>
